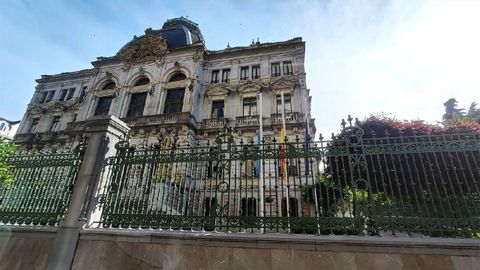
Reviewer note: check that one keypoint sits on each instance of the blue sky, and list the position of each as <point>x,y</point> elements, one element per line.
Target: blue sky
<point>363,57</point>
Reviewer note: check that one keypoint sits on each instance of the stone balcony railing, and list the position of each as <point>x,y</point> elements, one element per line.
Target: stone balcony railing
<point>33,138</point>
<point>214,123</point>
<point>290,118</point>
<point>250,120</point>
<point>161,119</point>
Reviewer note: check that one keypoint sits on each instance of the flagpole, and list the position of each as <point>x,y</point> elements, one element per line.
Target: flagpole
<point>261,182</point>
<point>285,177</point>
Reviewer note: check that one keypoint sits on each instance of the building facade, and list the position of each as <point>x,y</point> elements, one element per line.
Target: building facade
<point>165,84</point>
<point>8,128</point>
<point>166,81</point>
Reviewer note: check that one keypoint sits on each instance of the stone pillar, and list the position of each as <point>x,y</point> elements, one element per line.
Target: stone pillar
<point>103,133</point>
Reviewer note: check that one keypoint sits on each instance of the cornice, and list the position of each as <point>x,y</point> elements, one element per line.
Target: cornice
<point>66,76</point>
<point>256,47</point>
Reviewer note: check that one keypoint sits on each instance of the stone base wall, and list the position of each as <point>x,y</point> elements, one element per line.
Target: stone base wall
<point>25,250</point>
<point>174,250</point>
<point>146,249</point>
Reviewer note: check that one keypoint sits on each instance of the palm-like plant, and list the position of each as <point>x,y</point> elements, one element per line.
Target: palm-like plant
<point>473,112</point>
<point>452,112</point>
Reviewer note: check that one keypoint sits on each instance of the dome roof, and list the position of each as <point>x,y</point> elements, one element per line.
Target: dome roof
<point>176,32</point>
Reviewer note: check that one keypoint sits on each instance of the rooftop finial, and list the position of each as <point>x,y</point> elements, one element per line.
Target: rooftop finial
<point>253,41</point>
<point>228,44</point>
<point>258,41</point>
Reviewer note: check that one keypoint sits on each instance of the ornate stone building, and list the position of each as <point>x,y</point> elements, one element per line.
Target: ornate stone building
<point>166,82</point>
<point>8,128</point>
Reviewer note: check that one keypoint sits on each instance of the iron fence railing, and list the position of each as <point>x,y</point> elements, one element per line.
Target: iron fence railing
<point>41,187</point>
<point>351,184</point>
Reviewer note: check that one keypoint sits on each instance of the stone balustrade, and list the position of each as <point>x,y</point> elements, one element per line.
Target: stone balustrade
<point>215,123</point>
<point>293,117</point>
<point>249,120</point>
<point>160,119</point>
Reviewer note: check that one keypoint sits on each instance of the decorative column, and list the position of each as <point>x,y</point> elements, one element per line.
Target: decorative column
<point>103,133</point>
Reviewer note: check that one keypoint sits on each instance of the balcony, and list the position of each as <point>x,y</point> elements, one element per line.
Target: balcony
<point>290,118</point>
<point>250,120</point>
<point>214,123</point>
<point>161,119</point>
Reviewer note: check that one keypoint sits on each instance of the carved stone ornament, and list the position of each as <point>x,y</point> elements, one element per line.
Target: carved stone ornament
<point>177,66</point>
<point>37,110</point>
<point>190,86</point>
<point>148,48</point>
<point>197,56</point>
<point>249,86</point>
<point>284,83</point>
<point>218,90</point>
<point>59,107</point>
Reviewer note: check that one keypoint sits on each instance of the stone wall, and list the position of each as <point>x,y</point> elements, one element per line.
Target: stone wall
<point>147,249</point>
<point>176,250</point>
<point>25,250</point>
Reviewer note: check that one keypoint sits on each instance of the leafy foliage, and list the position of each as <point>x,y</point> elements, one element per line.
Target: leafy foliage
<point>411,183</point>
<point>453,113</point>
<point>6,149</point>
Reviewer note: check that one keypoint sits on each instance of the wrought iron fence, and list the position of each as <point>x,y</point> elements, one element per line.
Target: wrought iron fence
<point>351,184</point>
<point>41,187</point>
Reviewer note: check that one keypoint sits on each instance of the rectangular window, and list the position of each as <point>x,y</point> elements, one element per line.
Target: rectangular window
<point>50,96</point>
<point>255,72</point>
<point>103,106</point>
<point>249,106</point>
<point>137,104</point>
<point>63,94</point>
<point>71,91</point>
<point>217,109</point>
<point>287,68</point>
<point>210,210</point>
<point>174,100</point>
<point>210,207</point>
<point>248,207</point>
<point>292,169</point>
<point>55,126</point>
<point>215,76</point>
<point>292,207</point>
<point>244,73</point>
<point>287,100</point>
<point>42,97</point>
<point>225,75</point>
<point>275,69</point>
<point>33,125</point>
<point>248,169</point>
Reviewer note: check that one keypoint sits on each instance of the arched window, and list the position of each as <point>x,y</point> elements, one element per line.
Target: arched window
<point>137,104</point>
<point>109,85</point>
<point>174,100</point>
<point>103,105</point>
<point>178,77</point>
<point>142,81</point>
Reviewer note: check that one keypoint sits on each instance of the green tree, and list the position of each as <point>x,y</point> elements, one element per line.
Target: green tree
<point>452,112</point>
<point>6,149</point>
<point>473,112</point>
